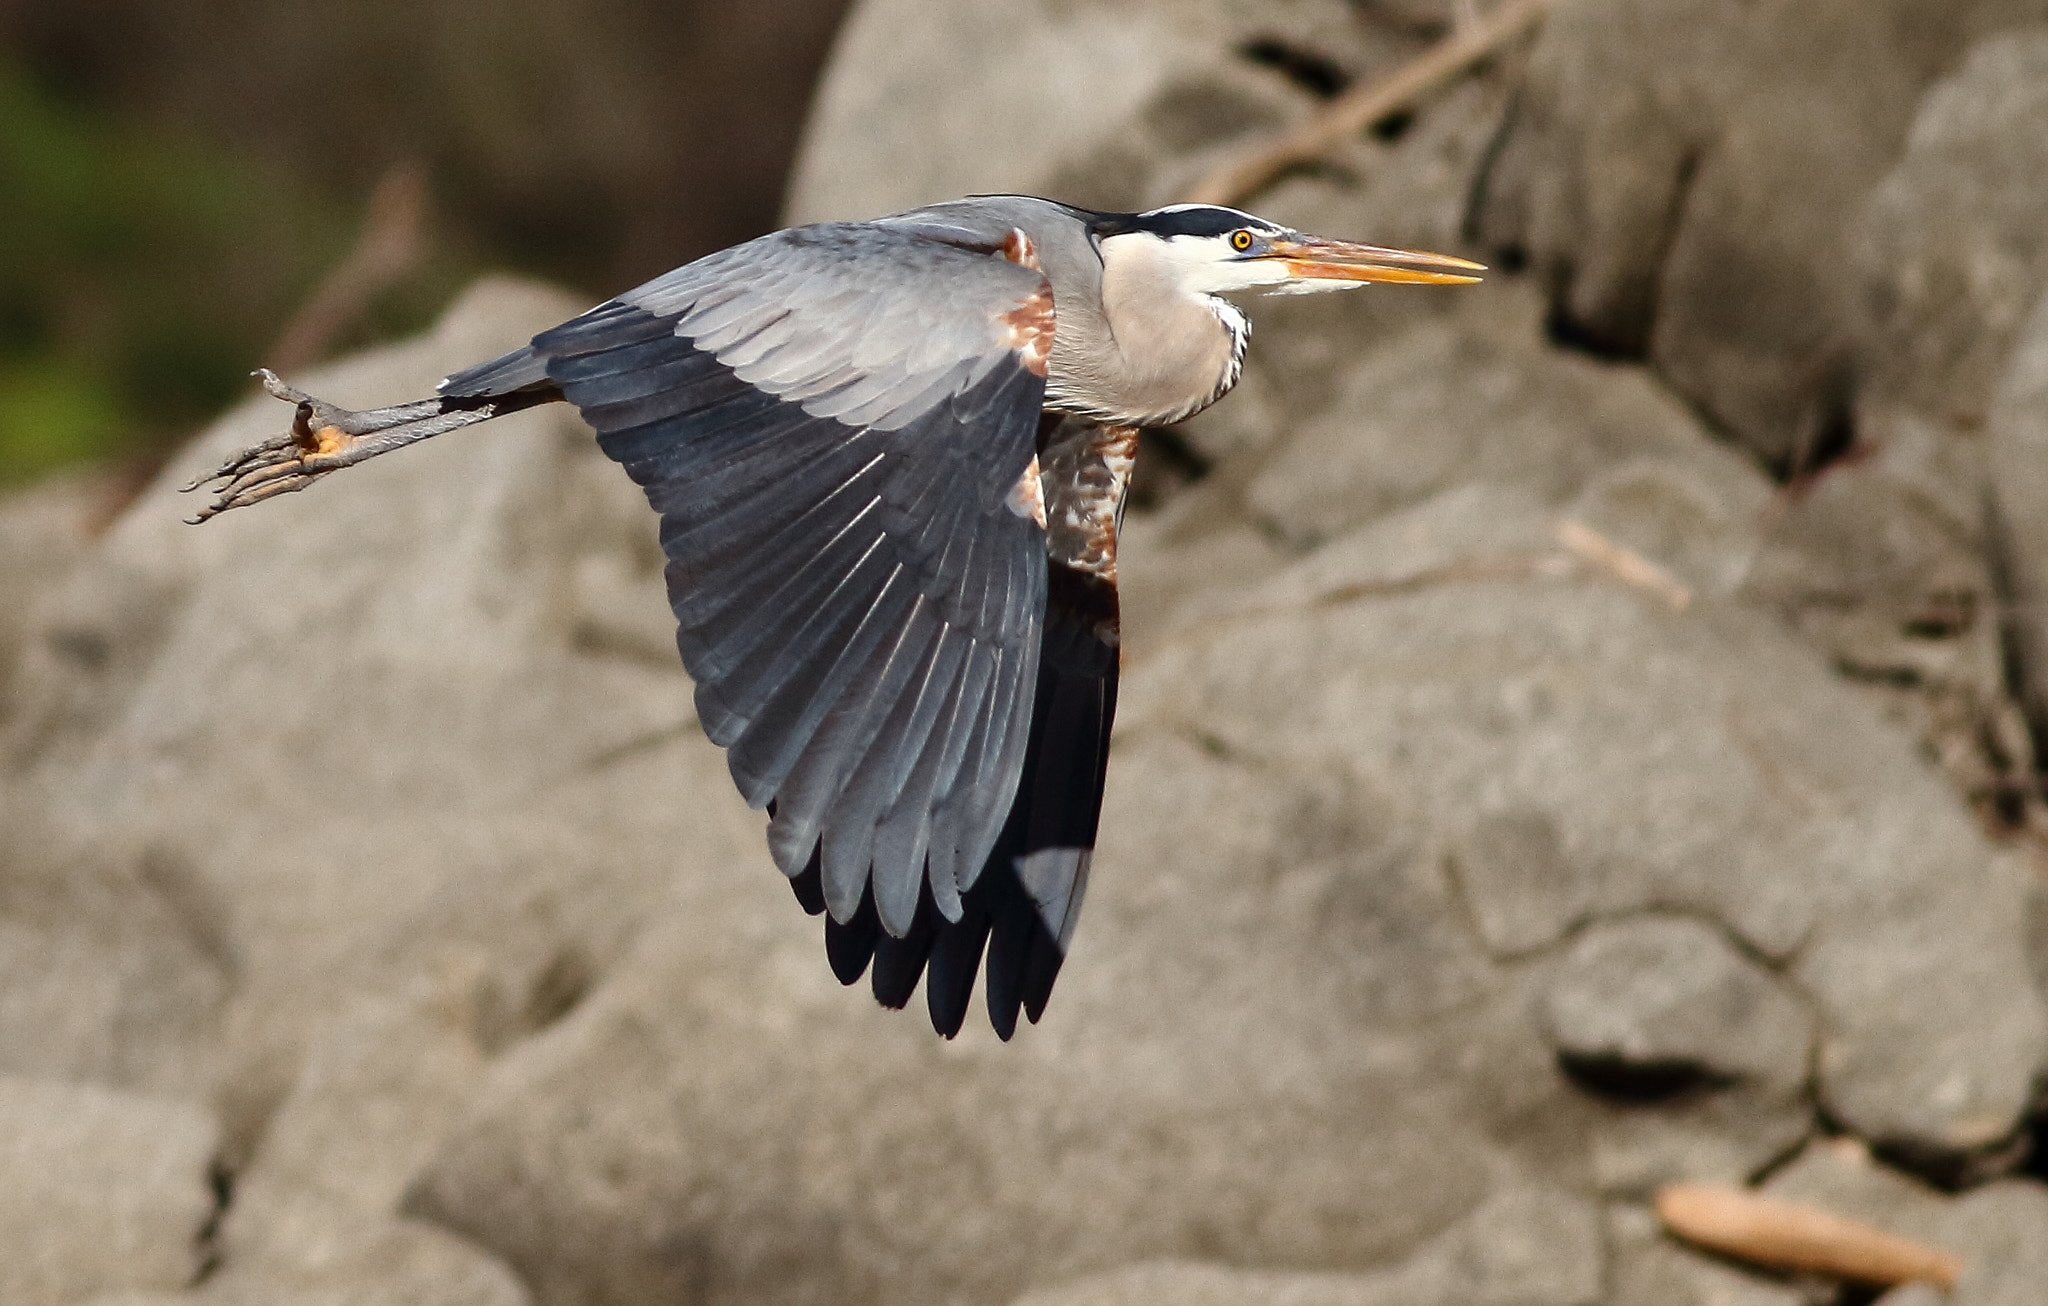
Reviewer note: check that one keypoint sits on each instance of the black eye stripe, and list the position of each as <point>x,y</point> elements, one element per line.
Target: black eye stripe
<point>1181,220</point>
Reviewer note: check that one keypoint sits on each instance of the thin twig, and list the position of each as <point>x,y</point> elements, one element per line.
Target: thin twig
<point>1791,1236</point>
<point>386,250</point>
<point>1625,565</point>
<point>1238,179</point>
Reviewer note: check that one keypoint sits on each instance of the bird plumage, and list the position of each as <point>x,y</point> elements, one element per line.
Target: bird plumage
<point>889,461</point>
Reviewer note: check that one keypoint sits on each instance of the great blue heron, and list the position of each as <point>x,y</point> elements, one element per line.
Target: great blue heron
<point>890,460</point>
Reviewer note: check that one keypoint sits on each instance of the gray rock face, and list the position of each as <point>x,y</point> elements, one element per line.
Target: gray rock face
<point>1680,172</point>
<point>830,1149</point>
<point>1650,1269</point>
<point>1440,406</point>
<point>1952,247</point>
<point>2018,457</point>
<point>1664,1013</point>
<point>2000,1231</point>
<point>1347,867</point>
<point>99,1190</point>
<point>325,991</point>
<point>1650,993</point>
<point>1684,788</point>
<point>42,532</point>
<point>1117,105</point>
<point>1525,1247</point>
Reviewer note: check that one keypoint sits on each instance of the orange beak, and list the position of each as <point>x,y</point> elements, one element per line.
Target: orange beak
<point>1309,258</point>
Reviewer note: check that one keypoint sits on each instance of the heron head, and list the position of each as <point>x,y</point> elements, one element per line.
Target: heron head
<point>1214,250</point>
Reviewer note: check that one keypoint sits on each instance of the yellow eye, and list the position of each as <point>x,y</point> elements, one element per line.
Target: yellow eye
<point>1240,240</point>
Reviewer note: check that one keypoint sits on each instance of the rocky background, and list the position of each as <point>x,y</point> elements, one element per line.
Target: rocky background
<point>1578,734</point>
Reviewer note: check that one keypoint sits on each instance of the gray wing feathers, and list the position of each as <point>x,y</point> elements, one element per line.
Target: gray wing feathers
<point>848,321</point>
<point>518,370</point>
<point>830,421</point>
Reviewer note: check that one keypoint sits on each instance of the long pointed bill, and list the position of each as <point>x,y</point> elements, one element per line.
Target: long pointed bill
<point>1311,259</point>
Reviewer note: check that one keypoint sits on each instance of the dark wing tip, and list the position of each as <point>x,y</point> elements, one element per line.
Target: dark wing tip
<point>899,963</point>
<point>950,972</point>
<point>809,884</point>
<point>998,916</point>
<point>849,947</point>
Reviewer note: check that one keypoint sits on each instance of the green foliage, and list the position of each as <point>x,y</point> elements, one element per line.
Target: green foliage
<point>53,412</point>
<point>142,274</point>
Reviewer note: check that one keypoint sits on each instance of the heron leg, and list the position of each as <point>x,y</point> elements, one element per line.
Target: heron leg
<point>324,438</point>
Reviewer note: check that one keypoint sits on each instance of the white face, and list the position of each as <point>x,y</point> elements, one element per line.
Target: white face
<point>1237,251</point>
<point>1243,258</point>
<point>1193,265</point>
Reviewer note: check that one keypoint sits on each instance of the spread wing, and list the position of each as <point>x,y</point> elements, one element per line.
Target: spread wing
<point>838,426</point>
<point>1023,909</point>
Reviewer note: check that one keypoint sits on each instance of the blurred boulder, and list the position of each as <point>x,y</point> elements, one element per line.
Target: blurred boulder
<point>1889,560</point>
<point>1678,175</point>
<point>407,1264</point>
<point>1250,1027</point>
<point>1683,758</point>
<point>1649,1268</point>
<point>1527,1246</point>
<point>1880,561</point>
<point>1006,105</point>
<point>112,967</point>
<point>99,1190</point>
<point>1951,248</point>
<point>1671,996</point>
<point>1663,1014</point>
<point>1102,104</point>
<point>1444,404</point>
<point>2000,1230</point>
<point>2017,454</point>
<point>42,532</point>
<point>318,1204</point>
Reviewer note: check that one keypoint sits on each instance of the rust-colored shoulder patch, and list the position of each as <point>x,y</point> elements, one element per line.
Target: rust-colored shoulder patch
<point>1027,328</point>
<point>1018,248</point>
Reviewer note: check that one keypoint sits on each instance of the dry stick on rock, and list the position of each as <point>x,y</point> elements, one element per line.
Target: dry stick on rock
<point>1790,1236</point>
<point>385,251</point>
<point>1625,565</point>
<point>1358,108</point>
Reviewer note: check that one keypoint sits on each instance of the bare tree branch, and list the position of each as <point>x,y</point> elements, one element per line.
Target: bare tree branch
<point>387,249</point>
<point>1238,179</point>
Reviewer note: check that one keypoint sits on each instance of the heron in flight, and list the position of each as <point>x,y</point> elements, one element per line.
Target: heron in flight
<point>889,460</point>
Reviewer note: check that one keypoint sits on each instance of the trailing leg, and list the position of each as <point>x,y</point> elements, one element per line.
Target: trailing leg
<point>326,438</point>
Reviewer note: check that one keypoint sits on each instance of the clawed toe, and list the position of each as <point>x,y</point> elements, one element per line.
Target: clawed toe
<point>256,456</point>
<point>272,468</point>
<point>282,464</point>
<point>325,438</point>
<point>278,389</point>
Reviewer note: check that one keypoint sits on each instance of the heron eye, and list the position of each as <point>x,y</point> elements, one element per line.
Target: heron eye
<point>1240,240</point>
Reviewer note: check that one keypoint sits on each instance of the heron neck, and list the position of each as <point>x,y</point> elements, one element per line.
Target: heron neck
<point>1153,354</point>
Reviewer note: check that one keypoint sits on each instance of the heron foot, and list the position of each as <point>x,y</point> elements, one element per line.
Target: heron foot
<point>323,438</point>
